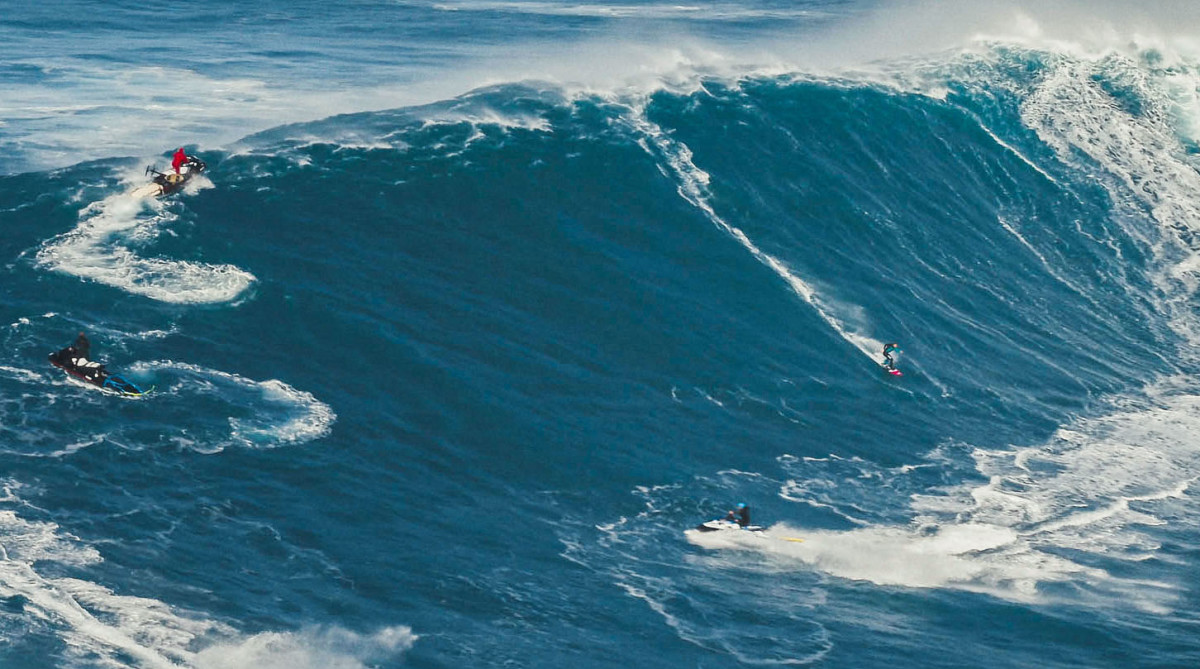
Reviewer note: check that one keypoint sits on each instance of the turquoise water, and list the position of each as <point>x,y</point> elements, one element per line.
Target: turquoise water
<point>475,313</point>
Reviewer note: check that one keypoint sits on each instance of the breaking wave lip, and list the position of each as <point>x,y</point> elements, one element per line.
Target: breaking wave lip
<point>692,184</point>
<point>1060,520</point>
<point>101,249</point>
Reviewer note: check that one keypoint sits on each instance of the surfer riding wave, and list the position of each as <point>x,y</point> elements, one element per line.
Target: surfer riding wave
<point>889,362</point>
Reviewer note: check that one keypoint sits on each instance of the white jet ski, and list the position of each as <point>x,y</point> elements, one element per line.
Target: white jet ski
<point>722,525</point>
<point>168,183</point>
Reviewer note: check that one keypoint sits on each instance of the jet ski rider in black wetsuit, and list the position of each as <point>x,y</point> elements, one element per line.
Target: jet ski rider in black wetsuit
<point>77,355</point>
<point>740,513</point>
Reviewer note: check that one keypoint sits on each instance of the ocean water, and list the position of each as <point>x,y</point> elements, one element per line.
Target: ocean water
<point>482,304</point>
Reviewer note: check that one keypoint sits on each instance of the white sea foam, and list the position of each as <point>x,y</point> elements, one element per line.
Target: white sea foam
<point>19,374</point>
<point>315,648</point>
<point>890,556</point>
<point>707,12</point>
<point>759,622</point>
<point>1143,163</point>
<point>102,628</point>
<point>281,414</point>
<point>1075,510</point>
<point>92,620</point>
<point>100,249</point>
<point>311,419</point>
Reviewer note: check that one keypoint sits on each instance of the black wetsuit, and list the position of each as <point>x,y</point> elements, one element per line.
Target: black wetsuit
<point>742,516</point>
<point>82,348</point>
<point>75,359</point>
<point>888,361</point>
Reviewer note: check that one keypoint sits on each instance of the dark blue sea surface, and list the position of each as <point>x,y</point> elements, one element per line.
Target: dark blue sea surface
<point>480,305</point>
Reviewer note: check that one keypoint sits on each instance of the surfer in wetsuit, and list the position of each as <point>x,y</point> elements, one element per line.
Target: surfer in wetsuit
<point>889,363</point>
<point>740,513</point>
<point>178,159</point>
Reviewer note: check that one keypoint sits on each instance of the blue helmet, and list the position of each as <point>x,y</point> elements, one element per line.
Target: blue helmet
<point>741,505</point>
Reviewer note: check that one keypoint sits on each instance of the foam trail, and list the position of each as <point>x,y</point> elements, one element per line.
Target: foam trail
<point>741,618</point>
<point>310,649</point>
<point>97,250</point>
<point>1076,511</point>
<point>693,187</point>
<point>312,420</point>
<point>288,416</point>
<point>102,628</point>
<point>77,607</point>
<point>883,555</point>
<point>1011,149</point>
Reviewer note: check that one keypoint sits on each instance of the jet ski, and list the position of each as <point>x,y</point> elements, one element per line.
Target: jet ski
<point>95,374</point>
<point>169,183</point>
<point>726,533</point>
<point>722,525</point>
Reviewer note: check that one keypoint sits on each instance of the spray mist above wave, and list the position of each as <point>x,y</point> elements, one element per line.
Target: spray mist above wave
<point>1113,109</point>
<point>101,249</point>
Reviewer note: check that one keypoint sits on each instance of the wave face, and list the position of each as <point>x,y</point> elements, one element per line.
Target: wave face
<point>444,384</point>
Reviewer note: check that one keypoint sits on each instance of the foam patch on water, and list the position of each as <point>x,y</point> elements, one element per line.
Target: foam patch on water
<point>706,601</point>
<point>1129,118</point>
<point>317,648</point>
<point>97,626</point>
<point>974,557</point>
<point>312,418</point>
<point>1064,519</point>
<point>278,413</point>
<point>101,628</point>
<point>102,249</point>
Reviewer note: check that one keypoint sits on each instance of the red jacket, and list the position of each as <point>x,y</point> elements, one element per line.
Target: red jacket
<point>179,159</point>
